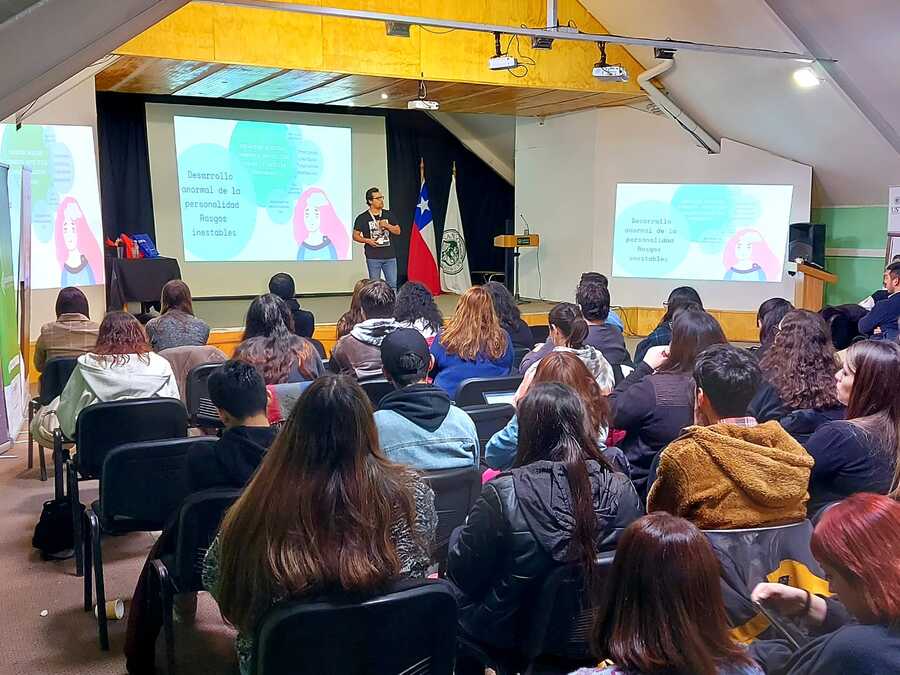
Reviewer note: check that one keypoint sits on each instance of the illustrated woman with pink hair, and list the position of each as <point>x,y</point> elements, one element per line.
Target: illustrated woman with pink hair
<point>748,257</point>
<point>317,228</point>
<point>76,247</point>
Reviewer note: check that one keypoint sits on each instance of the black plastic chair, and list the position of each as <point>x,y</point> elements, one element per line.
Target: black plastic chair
<point>52,381</point>
<point>377,390</point>
<point>180,571</point>
<point>472,391</point>
<point>142,485</point>
<point>540,333</point>
<point>519,354</point>
<point>101,428</point>
<point>489,419</point>
<point>455,491</point>
<point>201,411</point>
<point>407,629</point>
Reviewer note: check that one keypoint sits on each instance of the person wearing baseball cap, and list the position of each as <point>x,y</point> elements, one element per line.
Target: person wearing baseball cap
<point>417,424</point>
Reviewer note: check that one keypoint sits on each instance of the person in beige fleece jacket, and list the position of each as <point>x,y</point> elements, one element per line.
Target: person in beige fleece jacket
<point>728,471</point>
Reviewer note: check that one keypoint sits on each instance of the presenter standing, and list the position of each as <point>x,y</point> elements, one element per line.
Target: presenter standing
<point>373,227</point>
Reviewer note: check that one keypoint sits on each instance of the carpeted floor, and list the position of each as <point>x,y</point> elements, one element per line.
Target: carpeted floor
<point>65,640</point>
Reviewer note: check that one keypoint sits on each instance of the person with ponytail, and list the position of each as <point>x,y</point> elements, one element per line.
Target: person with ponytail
<point>561,503</point>
<point>568,331</point>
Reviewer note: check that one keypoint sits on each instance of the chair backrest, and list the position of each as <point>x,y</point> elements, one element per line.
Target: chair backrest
<point>54,377</point>
<point>455,491</point>
<point>104,426</point>
<point>200,409</point>
<point>473,390</point>
<point>489,419</point>
<point>540,333</point>
<point>376,390</point>
<point>287,395</point>
<point>146,482</point>
<point>187,357</point>
<point>519,354</point>
<point>408,629</point>
<point>198,523</point>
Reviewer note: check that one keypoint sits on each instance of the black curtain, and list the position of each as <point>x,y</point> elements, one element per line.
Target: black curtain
<point>485,199</point>
<point>125,197</point>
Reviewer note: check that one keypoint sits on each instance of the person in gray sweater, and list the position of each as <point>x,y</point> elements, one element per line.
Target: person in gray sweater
<point>176,326</point>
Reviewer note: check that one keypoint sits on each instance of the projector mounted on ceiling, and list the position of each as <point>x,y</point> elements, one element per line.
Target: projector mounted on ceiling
<point>422,102</point>
<point>606,72</point>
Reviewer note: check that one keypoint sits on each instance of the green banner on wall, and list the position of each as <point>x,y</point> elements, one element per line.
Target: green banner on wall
<point>10,359</point>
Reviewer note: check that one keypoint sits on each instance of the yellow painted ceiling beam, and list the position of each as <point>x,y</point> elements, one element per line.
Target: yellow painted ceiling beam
<point>290,40</point>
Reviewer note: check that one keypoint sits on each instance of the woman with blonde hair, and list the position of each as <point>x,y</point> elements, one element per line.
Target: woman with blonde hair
<point>473,344</point>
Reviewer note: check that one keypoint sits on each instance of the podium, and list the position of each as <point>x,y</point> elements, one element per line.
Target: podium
<point>809,291</point>
<point>515,242</point>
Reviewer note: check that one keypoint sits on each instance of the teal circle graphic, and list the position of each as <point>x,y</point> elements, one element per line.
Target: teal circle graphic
<point>708,210</point>
<point>266,152</point>
<point>218,209</point>
<point>651,239</point>
<point>281,206</point>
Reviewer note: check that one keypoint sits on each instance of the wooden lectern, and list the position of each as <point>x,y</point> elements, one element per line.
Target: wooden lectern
<point>515,242</point>
<point>809,291</point>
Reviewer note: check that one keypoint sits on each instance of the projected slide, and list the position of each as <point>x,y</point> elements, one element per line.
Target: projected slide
<point>66,229</point>
<point>702,231</point>
<point>263,190</point>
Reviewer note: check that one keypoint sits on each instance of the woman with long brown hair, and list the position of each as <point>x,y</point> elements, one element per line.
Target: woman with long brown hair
<point>354,315</point>
<point>662,609</point>
<point>473,344</point>
<point>324,512</point>
<point>565,368</point>
<point>176,326</point>
<point>120,366</point>
<point>655,402</point>
<point>860,454</point>
<point>799,371</point>
<point>561,503</point>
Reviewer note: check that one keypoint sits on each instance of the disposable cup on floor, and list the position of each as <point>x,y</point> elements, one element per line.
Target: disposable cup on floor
<point>115,609</point>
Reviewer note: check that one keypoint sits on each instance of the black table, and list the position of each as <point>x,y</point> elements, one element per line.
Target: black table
<point>139,280</point>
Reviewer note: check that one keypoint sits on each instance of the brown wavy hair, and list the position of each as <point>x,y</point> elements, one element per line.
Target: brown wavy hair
<point>318,513</point>
<point>801,362</point>
<point>354,315</point>
<point>566,368</point>
<point>176,295</point>
<point>121,335</point>
<point>475,328</point>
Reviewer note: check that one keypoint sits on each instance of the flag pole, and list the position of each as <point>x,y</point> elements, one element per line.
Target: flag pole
<point>421,170</point>
<point>454,168</point>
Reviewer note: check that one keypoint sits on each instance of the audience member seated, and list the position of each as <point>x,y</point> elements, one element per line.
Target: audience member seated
<point>881,321</point>
<point>728,472</point>
<point>176,326</point>
<point>282,285</point>
<point>510,316</point>
<point>239,393</point>
<point>121,366</point>
<point>798,370</point>
<point>661,609</point>
<point>683,296</point>
<point>568,331</point>
<point>881,294</point>
<point>72,334</point>
<point>473,344</point>
<point>184,359</point>
<point>416,308</point>
<point>860,454</point>
<point>562,503</point>
<point>270,345</point>
<point>324,512</point>
<point>601,279</point>
<point>359,352</point>
<point>593,303</point>
<point>564,368</point>
<point>418,425</point>
<point>857,542</point>
<point>768,317</point>
<point>655,402</point>
<point>354,315</point>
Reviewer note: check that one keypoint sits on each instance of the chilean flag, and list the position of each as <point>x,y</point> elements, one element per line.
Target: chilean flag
<point>422,265</point>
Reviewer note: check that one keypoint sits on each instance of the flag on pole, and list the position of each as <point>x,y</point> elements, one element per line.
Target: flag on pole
<point>455,277</point>
<point>422,266</point>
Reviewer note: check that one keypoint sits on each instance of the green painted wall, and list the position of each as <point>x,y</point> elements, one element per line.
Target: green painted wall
<point>853,227</point>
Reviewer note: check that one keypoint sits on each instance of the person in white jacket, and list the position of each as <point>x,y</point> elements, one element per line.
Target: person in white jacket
<point>122,366</point>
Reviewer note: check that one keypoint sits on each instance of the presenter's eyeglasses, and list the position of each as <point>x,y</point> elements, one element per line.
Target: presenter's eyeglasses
<point>377,197</point>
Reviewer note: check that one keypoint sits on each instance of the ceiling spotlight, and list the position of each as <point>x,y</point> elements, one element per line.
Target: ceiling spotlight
<point>806,78</point>
<point>384,97</point>
<point>422,102</point>
<point>606,72</point>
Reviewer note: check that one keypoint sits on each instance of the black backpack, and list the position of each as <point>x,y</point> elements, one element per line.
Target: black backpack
<point>53,535</point>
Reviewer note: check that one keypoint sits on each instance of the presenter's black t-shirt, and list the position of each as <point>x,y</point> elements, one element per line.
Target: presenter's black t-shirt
<point>366,223</point>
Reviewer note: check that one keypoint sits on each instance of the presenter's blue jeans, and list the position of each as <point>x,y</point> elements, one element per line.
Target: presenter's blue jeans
<point>387,265</point>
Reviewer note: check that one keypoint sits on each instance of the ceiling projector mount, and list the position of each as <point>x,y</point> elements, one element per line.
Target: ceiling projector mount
<point>606,72</point>
<point>422,102</point>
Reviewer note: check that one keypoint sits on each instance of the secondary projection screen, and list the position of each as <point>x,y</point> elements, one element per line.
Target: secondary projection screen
<point>240,194</point>
<point>701,231</point>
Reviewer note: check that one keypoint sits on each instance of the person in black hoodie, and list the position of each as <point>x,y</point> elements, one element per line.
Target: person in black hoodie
<point>282,285</point>
<point>239,393</point>
<point>561,503</point>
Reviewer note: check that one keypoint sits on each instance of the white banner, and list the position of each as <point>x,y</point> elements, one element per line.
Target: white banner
<point>893,224</point>
<point>455,277</point>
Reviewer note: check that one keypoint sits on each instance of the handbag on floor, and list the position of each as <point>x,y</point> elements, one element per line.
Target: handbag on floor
<point>53,535</point>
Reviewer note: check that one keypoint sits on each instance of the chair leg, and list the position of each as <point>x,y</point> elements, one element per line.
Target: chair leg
<point>59,464</point>
<point>166,599</point>
<point>30,438</point>
<point>98,580</point>
<point>42,455</point>
<point>75,502</point>
<point>88,548</point>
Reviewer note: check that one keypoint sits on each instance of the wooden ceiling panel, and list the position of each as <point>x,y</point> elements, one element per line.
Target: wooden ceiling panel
<point>228,80</point>
<point>582,103</point>
<point>152,76</point>
<point>344,90</point>
<point>287,84</point>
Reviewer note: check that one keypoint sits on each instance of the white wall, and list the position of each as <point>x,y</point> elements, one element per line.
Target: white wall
<point>567,169</point>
